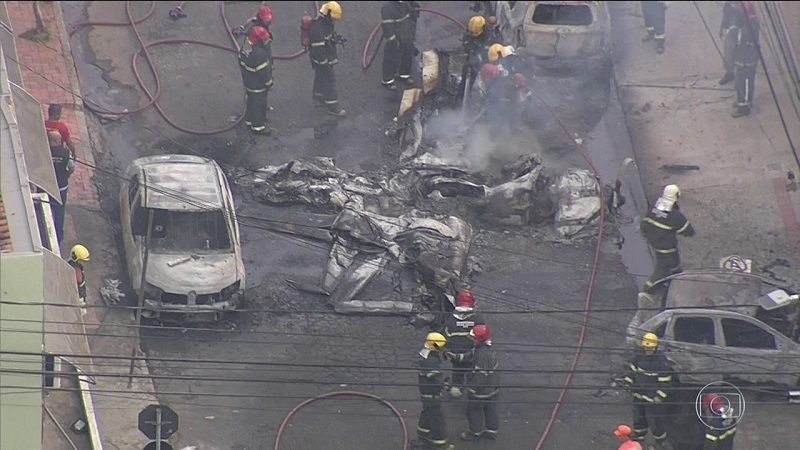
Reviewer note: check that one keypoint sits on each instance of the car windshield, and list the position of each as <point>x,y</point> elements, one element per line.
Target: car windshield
<point>557,14</point>
<point>189,231</point>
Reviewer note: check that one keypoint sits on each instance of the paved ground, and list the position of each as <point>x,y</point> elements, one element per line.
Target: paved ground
<point>521,272</point>
<point>239,406</point>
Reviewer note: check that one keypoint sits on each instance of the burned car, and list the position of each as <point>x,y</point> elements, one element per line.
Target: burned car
<point>720,324</point>
<point>177,214</point>
<point>559,35</point>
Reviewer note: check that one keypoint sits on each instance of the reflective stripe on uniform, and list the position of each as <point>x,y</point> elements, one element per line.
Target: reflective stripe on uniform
<point>428,396</point>
<point>482,396</point>
<point>254,69</point>
<point>684,227</point>
<point>658,224</point>
<point>430,374</point>
<point>318,44</point>
<point>666,252</point>
<point>259,128</point>
<point>665,379</point>
<point>256,91</point>
<point>396,20</point>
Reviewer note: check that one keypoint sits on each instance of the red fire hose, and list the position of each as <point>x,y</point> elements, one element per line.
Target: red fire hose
<point>143,50</point>
<point>305,403</point>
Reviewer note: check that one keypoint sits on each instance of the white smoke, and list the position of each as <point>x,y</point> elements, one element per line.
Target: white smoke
<point>460,140</point>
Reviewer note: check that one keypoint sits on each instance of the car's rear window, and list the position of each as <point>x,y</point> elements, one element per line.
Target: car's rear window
<point>569,15</point>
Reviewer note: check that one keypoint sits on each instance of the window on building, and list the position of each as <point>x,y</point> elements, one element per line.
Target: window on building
<point>743,334</point>
<point>51,365</point>
<point>695,330</point>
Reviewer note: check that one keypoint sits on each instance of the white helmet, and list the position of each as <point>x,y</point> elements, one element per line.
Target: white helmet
<point>671,193</point>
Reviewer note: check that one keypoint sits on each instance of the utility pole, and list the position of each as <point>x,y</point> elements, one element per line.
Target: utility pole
<point>140,303</point>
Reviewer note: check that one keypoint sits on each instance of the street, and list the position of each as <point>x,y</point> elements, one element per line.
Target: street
<point>234,383</point>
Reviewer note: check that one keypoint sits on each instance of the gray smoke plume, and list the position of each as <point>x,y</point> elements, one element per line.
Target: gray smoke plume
<point>474,144</point>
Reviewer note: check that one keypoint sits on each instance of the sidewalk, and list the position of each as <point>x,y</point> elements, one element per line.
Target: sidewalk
<point>48,73</point>
<point>738,201</point>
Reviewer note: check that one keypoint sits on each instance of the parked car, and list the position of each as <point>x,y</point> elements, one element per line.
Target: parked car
<point>707,345</point>
<point>559,35</point>
<point>194,258</point>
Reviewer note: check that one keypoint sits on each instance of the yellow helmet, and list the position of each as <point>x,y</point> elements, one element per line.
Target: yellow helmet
<point>79,253</point>
<point>650,341</point>
<point>435,341</point>
<point>476,25</point>
<point>332,8</point>
<point>496,51</point>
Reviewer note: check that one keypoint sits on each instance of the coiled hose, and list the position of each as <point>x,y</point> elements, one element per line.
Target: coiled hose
<point>143,50</point>
<point>305,403</point>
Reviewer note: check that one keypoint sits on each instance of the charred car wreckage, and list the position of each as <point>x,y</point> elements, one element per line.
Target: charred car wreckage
<point>722,324</point>
<point>400,238</point>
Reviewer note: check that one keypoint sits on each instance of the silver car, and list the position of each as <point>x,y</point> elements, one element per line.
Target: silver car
<point>183,205</point>
<point>559,35</point>
<point>707,345</point>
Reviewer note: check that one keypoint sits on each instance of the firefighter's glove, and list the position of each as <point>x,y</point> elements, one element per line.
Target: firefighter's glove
<point>451,356</point>
<point>238,31</point>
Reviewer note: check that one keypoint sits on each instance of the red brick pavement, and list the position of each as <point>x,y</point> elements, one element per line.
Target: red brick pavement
<point>45,77</point>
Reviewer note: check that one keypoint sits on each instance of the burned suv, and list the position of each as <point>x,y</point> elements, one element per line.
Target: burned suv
<point>559,36</point>
<point>178,218</point>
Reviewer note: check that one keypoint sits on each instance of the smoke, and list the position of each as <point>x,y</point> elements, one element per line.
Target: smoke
<point>461,140</point>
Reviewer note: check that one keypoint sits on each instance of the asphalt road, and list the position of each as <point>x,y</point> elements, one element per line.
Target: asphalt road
<point>526,284</point>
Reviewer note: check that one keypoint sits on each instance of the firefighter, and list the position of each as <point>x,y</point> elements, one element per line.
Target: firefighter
<point>728,32</point>
<point>745,58</point>
<point>483,387</point>
<point>431,425</point>
<point>399,23</point>
<point>655,23</point>
<point>501,97</point>
<point>457,326</point>
<point>79,254</point>
<point>263,18</point>
<point>504,56</point>
<point>660,228</point>
<point>649,378</point>
<point>322,50</point>
<point>475,44</point>
<point>721,426</point>
<point>256,68</point>
<point>623,433</point>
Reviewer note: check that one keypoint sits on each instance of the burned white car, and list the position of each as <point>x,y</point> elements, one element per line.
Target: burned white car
<point>717,324</point>
<point>559,35</point>
<point>182,206</point>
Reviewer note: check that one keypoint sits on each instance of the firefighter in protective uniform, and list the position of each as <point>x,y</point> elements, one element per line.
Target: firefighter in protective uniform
<point>483,387</point>
<point>728,32</point>
<point>475,44</point>
<point>322,51</point>
<point>79,254</point>
<point>655,14</point>
<point>745,58</point>
<point>256,68</point>
<point>431,425</point>
<point>399,24</point>
<point>660,228</point>
<point>457,326</point>
<point>721,426</point>
<point>502,105</point>
<point>649,378</point>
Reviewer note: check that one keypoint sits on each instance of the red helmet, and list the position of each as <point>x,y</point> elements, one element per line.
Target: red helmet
<point>257,35</point>
<point>264,14</point>
<point>465,299</point>
<point>714,402</point>
<point>480,334</point>
<point>490,71</point>
<point>749,8</point>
